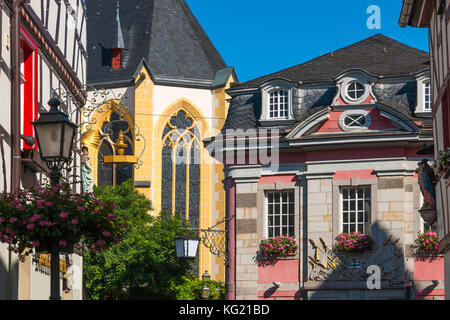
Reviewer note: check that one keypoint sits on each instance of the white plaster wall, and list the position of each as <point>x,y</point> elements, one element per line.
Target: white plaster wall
<point>164,96</point>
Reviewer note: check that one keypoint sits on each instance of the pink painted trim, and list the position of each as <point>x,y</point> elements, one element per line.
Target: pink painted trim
<point>348,174</point>
<point>278,178</point>
<point>290,295</point>
<point>280,271</point>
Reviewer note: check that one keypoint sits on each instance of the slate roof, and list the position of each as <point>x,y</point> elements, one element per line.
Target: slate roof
<point>378,55</point>
<point>162,32</point>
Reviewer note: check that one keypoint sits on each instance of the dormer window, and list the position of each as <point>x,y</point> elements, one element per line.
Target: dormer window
<point>116,58</point>
<point>427,95</point>
<point>424,96</point>
<point>277,97</point>
<point>279,105</point>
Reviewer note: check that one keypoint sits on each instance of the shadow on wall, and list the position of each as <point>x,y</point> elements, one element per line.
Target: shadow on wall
<point>383,273</point>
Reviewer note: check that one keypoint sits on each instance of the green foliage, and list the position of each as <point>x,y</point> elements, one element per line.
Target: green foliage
<point>191,289</point>
<point>144,264</point>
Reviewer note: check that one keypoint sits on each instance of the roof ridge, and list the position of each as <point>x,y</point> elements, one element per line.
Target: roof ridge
<point>356,44</point>
<point>205,42</point>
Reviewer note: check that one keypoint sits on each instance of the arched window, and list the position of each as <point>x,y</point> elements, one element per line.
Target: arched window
<point>180,179</point>
<point>108,173</point>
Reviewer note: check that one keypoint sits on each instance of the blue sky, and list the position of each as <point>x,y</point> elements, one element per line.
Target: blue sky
<point>259,37</point>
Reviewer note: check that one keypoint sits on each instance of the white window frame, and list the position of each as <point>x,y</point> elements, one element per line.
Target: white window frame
<point>347,90</point>
<point>278,104</point>
<point>266,92</point>
<point>290,207</point>
<point>427,104</point>
<point>357,209</point>
<point>355,182</point>
<point>421,108</point>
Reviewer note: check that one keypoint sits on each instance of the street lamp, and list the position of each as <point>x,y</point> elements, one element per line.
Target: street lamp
<point>187,246</point>
<point>55,134</point>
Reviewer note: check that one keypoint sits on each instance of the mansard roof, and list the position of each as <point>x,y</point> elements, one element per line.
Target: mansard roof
<point>378,55</point>
<point>164,33</point>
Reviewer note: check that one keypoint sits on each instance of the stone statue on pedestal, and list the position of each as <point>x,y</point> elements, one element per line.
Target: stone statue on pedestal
<point>426,182</point>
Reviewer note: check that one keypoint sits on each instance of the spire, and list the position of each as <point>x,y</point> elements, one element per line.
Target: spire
<point>119,43</point>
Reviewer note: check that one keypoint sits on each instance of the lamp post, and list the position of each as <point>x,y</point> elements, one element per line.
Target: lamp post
<point>55,134</point>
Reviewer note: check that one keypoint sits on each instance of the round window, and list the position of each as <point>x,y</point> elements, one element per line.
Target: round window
<point>355,90</point>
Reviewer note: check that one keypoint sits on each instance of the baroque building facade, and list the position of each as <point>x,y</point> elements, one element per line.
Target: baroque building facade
<point>434,15</point>
<point>326,147</point>
<point>161,86</point>
<point>42,53</point>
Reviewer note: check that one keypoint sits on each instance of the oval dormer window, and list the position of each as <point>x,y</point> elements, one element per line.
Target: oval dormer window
<point>355,120</point>
<point>355,90</point>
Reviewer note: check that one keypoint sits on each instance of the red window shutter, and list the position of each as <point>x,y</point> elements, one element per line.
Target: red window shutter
<point>116,58</point>
<point>29,99</point>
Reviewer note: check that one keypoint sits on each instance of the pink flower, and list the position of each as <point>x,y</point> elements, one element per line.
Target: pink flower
<point>63,215</point>
<point>48,203</point>
<point>36,243</point>
<point>81,209</point>
<point>2,220</point>
<point>62,243</point>
<point>74,221</point>
<point>100,243</point>
<point>19,207</point>
<point>30,226</point>
<point>97,210</point>
<point>116,240</point>
<point>35,217</point>
<point>106,234</point>
<point>12,220</point>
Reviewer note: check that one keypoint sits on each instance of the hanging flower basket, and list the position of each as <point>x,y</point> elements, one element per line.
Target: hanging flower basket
<point>353,242</point>
<point>278,247</point>
<point>53,217</point>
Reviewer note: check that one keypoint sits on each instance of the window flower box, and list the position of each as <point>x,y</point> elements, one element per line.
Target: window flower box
<point>281,246</point>
<point>353,242</point>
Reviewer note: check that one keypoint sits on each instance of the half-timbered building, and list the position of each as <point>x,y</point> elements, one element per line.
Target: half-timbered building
<point>435,16</point>
<point>42,53</point>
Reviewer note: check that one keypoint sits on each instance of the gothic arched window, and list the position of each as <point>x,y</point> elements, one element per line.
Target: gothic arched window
<point>180,179</point>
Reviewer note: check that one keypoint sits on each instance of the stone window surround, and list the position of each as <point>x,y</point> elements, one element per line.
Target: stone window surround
<point>337,203</point>
<point>262,209</point>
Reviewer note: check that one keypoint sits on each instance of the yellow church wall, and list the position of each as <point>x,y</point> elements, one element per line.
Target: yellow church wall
<point>153,107</point>
<point>144,119</point>
<point>220,105</point>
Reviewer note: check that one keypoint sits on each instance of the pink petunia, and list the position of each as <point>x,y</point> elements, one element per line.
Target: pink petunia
<point>12,220</point>
<point>74,221</point>
<point>30,226</point>
<point>63,215</point>
<point>62,243</point>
